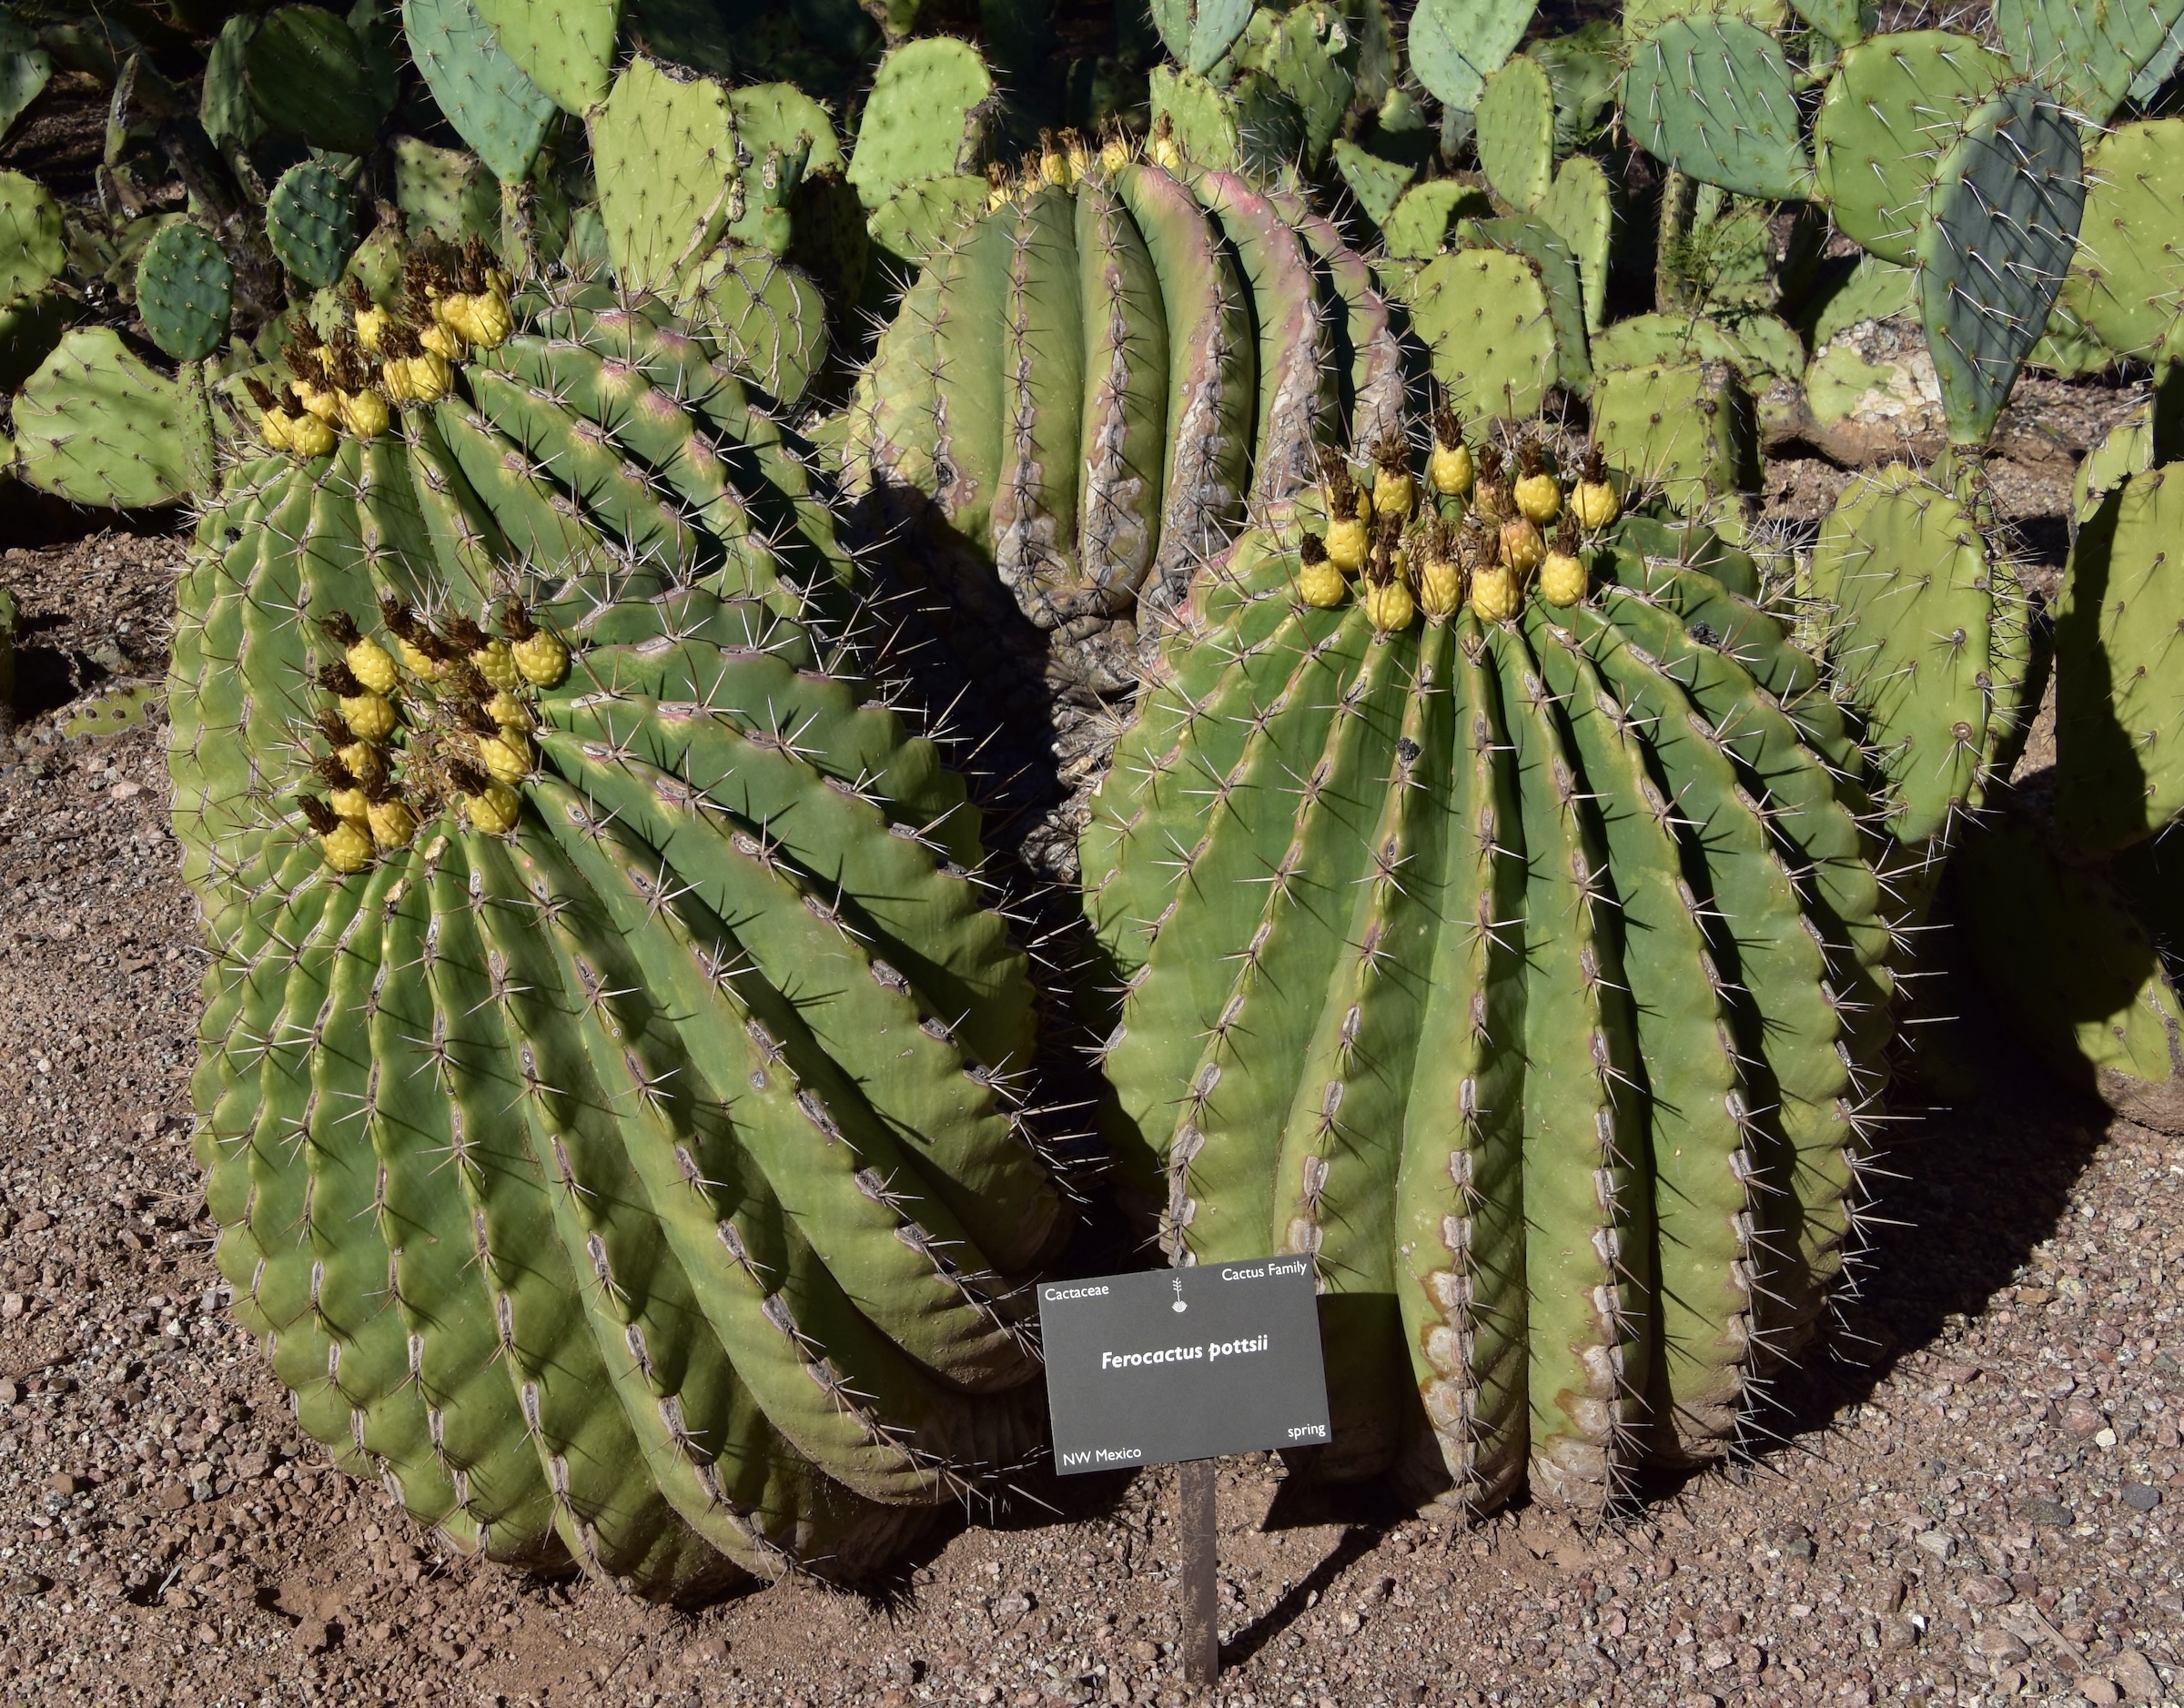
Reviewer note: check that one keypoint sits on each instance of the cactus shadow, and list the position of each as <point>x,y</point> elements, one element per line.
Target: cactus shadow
<point>48,677</point>
<point>977,665</point>
<point>1972,1189</point>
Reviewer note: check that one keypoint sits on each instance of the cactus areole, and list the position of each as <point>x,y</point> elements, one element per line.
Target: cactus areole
<point>1515,951</point>
<point>606,1051</point>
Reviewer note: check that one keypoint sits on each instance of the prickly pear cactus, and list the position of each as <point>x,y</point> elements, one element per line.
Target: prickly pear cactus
<point>2118,694</point>
<point>605,1058</point>
<point>1932,642</point>
<point>1494,920</point>
<point>1092,381</point>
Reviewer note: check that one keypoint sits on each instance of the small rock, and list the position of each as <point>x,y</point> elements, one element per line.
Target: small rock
<point>172,1496</point>
<point>1939,1543</point>
<point>37,1222</point>
<point>2099,1689</point>
<point>64,1482</point>
<point>1983,1589</point>
<point>1718,1659</point>
<point>2083,1419</point>
<point>2135,1674</point>
<point>11,1306</point>
<point>2051,1513</point>
<point>1997,1646</point>
<point>2141,1497</point>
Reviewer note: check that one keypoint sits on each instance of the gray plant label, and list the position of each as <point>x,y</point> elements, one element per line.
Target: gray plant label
<point>1175,1364</point>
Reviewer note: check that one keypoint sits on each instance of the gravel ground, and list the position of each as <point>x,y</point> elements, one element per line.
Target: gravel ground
<point>1974,1497</point>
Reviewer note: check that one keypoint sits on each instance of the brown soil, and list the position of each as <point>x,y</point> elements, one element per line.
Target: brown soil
<point>1976,1497</point>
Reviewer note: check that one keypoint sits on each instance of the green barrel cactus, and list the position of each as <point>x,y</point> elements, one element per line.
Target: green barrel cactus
<point>1514,948</point>
<point>1093,382</point>
<point>606,1075</point>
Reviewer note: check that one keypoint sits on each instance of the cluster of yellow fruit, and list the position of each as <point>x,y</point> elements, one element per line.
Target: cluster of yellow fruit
<point>345,385</point>
<point>455,697</point>
<point>1483,538</point>
<point>1066,160</point>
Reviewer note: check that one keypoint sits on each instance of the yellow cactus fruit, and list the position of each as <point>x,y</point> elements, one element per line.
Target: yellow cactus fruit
<point>508,712</point>
<point>350,803</point>
<point>1440,579</point>
<point>278,426</point>
<point>364,414</point>
<point>441,340</point>
<point>425,378</point>
<point>321,402</point>
<point>310,437</point>
<point>1448,469</point>
<point>1522,545</point>
<point>492,808</point>
<point>1388,606</point>
<point>507,755</point>
<point>1115,153</point>
<point>497,664</point>
<point>542,658</point>
<point>371,322</point>
<point>373,664</point>
<point>1538,499</point>
<point>1394,491</point>
<point>391,822</point>
<point>1562,577</point>
<point>1346,542</point>
<point>1495,594</point>
<point>1318,582</point>
<point>367,661</point>
<point>1539,496</point>
<point>367,714</point>
<point>345,844</point>
<point>1349,515</point>
<point>1594,501</point>
<point>489,319</point>
<point>1162,150</point>
<point>1440,587</point>
<point>997,187</point>
<point>348,847</point>
<point>1078,155</point>
<point>412,641</point>
<point>1053,165</point>
<point>361,757</point>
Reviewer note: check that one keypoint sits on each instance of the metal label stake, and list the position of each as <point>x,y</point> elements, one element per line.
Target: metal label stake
<point>1201,1621</point>
<point>1177,1366</point>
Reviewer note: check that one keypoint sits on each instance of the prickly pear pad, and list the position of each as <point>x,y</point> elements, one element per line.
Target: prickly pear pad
<point>605,1066</point>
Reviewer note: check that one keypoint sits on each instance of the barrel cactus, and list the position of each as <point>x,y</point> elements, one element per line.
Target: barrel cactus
<point>606,1066</point>
<point>1499,927</point>
<point>1094,381</point>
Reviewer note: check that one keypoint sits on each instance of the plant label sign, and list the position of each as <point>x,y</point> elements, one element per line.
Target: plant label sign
<point>1178,1364</point>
